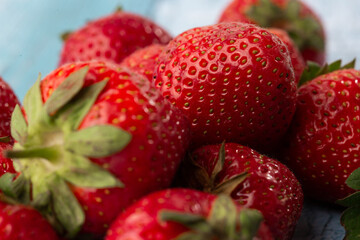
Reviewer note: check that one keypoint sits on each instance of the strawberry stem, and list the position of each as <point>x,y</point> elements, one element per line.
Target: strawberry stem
<point>50,153</point>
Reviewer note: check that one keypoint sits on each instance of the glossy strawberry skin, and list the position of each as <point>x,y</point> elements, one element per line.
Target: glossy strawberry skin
<point>21,222</point>
<point>6,164</point>
<point>296,58</point>
<point>112,38</point>
<point>322,146</point>
<point>269,187</point>
<point>141,220</point>
<point>234,81</point>
<point>144,61</point>
<point>8,101</point>
<point>237,11</point>
<point>149,161</point>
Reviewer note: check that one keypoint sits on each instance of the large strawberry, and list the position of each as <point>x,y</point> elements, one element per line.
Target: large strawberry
<point>8,101</point>
<point>322,146</point>
<point>295,17</point>
<point>96,138</point>
<point>112,38</point>
<point>234,81</point>
<point>296,58</point>
<point>253,180</point>
<point>144,61</point>
<point>176,214</point>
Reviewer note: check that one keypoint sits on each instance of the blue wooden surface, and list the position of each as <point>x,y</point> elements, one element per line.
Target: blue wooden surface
<point>30,43</point>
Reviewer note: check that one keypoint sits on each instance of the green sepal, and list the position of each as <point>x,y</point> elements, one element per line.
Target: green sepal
<point>223,217</point>
<point>351,223</point>
<point>192,236</point>
<point>10,187</point>
<point>18,125</point>
<point>65,35</point>
<point>66,91</point>
<point>84,173</point>
<point>229,185</point>
<point>250,220</point>
<point>314,70</point>
<point>33,103</point>
<point>97,141</point>
<point>351,200</point>
<point>353,181</point>
<point>5,139</point>
<point>72,114</point>
<point>304,31</point>
<point>66,207</point>
<point>220,161</point>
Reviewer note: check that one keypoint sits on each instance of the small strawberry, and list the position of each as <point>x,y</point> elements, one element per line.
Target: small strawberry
<point>21,222</point>
<point>188,214</point>
<point>6,164</point>
<point>293,16</point>
<point>8,101</point>
<point>296,58</point>
<point>96,139</point>
<point>112,38</point>
<point>251,179</point>
<point>234,81</point>
<point>322,145</point>
<point>144,61</point>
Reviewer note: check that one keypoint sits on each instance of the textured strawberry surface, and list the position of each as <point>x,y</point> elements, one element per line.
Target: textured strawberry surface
<point>22,222</point>
<point>323,141</point>
<point>269,186</point>
<point>159,138</point>
<point>6,164</point>
<point>234,81</point>
<point>112,38</point>
<point>141,220</point>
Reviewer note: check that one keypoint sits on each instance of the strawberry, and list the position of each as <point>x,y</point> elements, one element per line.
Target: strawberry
<point>96,138</point>
<point>296,58</point>
<point>187,214</point>
<point>322,145</point>
<point>112,38</point>
<point>6,165</point>
<point>21,222</point>
<point>251,179</point>
<point>294,16</point>
<point>234,81</point>
<point>143,61</point>
<point>8,101</point>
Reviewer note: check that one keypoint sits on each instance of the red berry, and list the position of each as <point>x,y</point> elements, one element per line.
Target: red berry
<point>234,81</point>
<point>112,38</point>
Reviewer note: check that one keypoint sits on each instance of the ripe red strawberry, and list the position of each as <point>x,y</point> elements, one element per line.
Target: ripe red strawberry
<point>234,81</point>
<point>112,38</point>
<point>90,126</point>
<point>143,61</point>
<point>19,222</point>
<point>8,101</point>
<point>6,164</point>
<point>294,16</point>
<point>253,181</point>
<point>322,146</point>
<point>187,214</point>
<point>296,58</point>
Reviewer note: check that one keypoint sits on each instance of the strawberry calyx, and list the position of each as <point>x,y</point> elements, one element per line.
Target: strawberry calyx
<point>51,152</point>
<point>314,70</point>
<point>5,139</point>
<point>350,217</point>
<point>224,222</point>
<point>304,31</point>
<point>200,179</point>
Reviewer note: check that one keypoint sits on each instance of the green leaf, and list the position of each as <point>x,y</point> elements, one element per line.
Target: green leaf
<point>250,220</point>
<point>353,180</point>
<point>223,217</point>
<point>33,103</point>
<point>66,91</point>
<point>349,201</point>
<point>84,173</point>
<point>97,141</point>
<point>67,209</point>
<point>73,113</point>
<point>192,236</point>
<point>18,125</point>
<point>9,187</point>
<point>351,223</point>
